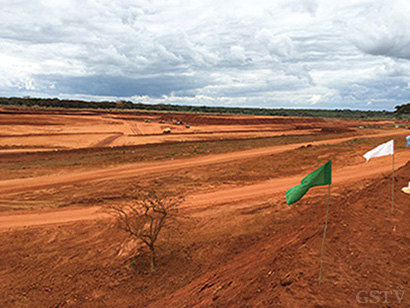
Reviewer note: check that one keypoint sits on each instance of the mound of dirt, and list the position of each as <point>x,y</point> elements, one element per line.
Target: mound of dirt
<point>336,130</point>
<point>367,251</point>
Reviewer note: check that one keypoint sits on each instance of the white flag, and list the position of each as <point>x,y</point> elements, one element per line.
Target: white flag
<point>382,150</point>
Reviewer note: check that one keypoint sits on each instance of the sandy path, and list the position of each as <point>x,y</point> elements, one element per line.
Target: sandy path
<point>137,169</point>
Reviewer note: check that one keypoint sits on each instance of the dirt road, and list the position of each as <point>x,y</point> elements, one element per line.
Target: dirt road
<point>211,200</point>
<point>132,170</point>
<point>344,176</point>
<point>43,217</point>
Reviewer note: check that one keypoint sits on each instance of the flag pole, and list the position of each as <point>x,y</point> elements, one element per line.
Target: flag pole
<point>324,237</point>
<point>392,186</point>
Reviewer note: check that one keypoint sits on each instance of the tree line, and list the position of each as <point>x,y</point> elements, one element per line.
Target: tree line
<point>401,111</point>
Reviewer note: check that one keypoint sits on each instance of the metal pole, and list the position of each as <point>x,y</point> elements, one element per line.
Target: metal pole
<point>324,237</point>
<point>392,186</point>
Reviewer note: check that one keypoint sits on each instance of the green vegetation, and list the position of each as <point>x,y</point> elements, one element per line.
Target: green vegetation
<point>127,105</point>
<point>403,111</point>
<point>64,103</point>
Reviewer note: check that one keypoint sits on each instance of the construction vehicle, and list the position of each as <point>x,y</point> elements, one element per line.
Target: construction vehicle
<point>166,131</point>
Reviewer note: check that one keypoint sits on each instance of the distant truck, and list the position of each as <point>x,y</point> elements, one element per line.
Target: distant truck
<point>166,131</point>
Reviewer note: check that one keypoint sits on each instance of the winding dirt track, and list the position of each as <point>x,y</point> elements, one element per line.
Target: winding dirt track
<point>136,169</point>
<point>344,176</point>
<point>204,200</point>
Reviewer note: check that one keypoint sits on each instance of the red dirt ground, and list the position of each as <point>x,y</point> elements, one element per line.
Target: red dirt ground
<point>237,264</point>
<point>30,130</point>
<point>366,249</point>
<point>234,245</point>
<point>205,201</point>
<point>18,185</point>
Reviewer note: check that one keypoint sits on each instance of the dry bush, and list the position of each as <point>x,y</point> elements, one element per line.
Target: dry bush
<point>145,216</point>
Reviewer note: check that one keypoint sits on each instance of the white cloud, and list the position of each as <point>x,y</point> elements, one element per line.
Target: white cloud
<point>383,29</point>
<point>275,54</point>
<point>309,6</point>
<point>238,54</point>
<point>280,45</point>
<point>315,99</point>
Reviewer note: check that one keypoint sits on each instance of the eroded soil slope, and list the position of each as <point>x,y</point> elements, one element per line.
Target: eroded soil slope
<point>264,255</point>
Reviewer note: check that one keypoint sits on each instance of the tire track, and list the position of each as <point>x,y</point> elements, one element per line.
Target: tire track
<point>106,141</point>
<point>134,169</point>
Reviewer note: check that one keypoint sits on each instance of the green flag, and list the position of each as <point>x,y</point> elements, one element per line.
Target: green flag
<point>321,176</point>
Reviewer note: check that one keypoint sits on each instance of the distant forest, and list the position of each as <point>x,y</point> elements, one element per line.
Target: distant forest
<point>402,111</point>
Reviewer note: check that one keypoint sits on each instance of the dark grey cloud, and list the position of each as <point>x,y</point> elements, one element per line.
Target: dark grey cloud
<point>119,86</point>
<point>386,46</point>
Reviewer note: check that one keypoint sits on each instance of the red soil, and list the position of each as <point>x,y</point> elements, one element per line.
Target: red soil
<point>367,249</point>
<point>232,247</point>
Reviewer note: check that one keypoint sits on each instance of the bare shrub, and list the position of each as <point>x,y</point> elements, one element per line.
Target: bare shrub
<point>145,215</point>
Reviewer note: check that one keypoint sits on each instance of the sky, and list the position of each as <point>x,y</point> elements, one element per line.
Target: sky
<point>317,54</point>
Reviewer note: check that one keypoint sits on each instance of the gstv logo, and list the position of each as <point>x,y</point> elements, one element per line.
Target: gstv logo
<point>380,296</point>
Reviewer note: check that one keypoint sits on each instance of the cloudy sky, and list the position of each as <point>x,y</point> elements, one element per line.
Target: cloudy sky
<point>280,53</point>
